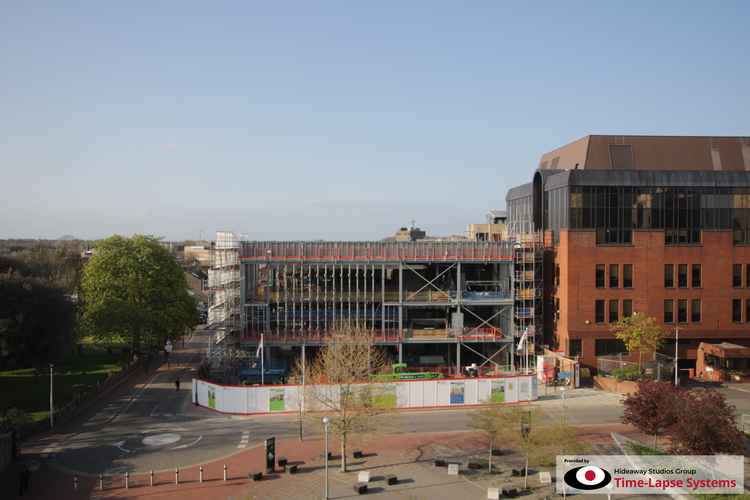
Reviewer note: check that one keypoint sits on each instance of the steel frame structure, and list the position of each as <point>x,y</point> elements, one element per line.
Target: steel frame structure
<point>296,292</point>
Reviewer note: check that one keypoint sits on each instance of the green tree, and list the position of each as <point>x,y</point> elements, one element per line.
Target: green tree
<point>132,288</point>
<point>639,333</point>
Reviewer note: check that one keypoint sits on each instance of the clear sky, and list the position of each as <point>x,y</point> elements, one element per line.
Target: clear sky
<point>335,120</point>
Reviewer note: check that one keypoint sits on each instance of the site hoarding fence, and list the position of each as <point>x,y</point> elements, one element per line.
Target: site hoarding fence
<point>389,395</point>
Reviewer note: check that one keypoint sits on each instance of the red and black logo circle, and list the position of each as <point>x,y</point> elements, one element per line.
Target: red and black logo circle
<point>589,477</point>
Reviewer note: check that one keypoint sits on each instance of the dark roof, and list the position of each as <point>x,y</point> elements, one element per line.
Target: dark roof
<point>521,191</point>
<point>676,178</point>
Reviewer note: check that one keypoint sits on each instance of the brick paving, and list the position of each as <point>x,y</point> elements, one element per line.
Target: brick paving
<point>407,455</point>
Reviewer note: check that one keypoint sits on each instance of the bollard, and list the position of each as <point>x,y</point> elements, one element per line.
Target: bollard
<point>75,483</point>
<point>177,476</point>
<point>225,472</point>
<point>200,474</point>
<point>151,477</point>
<point>101,482</point>
<point>127,480</point>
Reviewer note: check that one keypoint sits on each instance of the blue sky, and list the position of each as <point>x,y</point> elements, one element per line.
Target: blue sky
<point>335,120</point>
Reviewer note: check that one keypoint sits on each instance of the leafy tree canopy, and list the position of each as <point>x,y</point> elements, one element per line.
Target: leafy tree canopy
<point>133,288</point>
<point>639,333</point>
<point>36,320</point>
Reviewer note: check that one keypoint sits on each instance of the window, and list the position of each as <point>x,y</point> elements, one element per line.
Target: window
<point>737,275</point>
<point>682,276</point>
<point>614,275</point>
<point>668,275</point>
<point>695,311</point>
<point>736,310</point>
<point>574,347</point>
<point>668,311</point>
<point>747,310</point>
<point>557,308</point>
<point>747,275</point>
<point>613,305</point>
<point>627,308</point>
<point>599,311</point>
<point>557,274</point>
<point>682,311</point>
<point>627,275</point>
<point>609,346</point>
<point>600,276</point>
<point>696,275</point>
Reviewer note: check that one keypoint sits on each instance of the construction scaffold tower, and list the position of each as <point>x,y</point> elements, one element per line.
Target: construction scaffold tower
<point>528,297</point>
<point>224,287</point>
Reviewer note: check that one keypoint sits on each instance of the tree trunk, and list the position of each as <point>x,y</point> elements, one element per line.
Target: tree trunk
<point>492,442</point>
<point>526,472</point>
<point>343,452</point>
<point>656,437</point>
<point>640,357</point>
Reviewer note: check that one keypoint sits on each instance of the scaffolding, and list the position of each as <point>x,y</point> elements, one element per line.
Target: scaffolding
<point>224,284</point>
<point>528,296</point>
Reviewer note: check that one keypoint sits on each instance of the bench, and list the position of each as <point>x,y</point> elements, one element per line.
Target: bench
<point>392,480</point>
<point>360,488</point>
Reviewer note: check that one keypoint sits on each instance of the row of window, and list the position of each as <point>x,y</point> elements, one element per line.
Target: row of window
<point>614,275</point>
<point>682,311</point>
<point>682,275</point>
<point>613,310</point>
<point>603,347</point>
<point>612,313</point>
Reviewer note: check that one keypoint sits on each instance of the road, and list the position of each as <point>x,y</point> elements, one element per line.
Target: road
<point>152,426</point>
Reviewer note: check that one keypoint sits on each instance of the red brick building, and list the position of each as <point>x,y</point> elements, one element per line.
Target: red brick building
<point>654,225</point>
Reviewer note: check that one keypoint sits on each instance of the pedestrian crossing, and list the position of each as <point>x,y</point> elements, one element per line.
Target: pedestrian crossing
<point>245,439</point>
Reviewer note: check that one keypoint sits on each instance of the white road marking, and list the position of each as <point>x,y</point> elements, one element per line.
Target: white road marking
<point>241,445</point>
<point>183,446</point>
<point>161,439</point>
<point>52,448</point>
<point>120,446</point>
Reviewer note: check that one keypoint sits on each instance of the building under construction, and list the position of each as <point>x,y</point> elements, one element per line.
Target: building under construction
<point>436,304</point>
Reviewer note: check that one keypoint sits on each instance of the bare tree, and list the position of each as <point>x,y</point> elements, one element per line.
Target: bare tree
<point>497,424</point>
<point>338,383</point>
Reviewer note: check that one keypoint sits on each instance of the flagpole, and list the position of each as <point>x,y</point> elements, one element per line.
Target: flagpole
<point>262,361</point>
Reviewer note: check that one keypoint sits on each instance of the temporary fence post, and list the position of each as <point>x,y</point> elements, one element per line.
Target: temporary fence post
<point>151,477</point>
<point>225,472</point>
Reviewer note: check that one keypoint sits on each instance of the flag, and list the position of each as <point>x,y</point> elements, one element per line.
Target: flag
<point>523,339</point>
<point>260,347</point>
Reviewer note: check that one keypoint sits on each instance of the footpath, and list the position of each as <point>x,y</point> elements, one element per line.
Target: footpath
<point>410,457</point>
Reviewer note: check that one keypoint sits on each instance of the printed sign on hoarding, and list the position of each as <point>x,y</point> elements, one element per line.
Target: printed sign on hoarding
<point>457,393</point>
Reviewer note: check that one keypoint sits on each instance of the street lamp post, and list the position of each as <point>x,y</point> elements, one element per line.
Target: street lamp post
<point>562,390</point>
<point>51,396</point>
<point>326,421</point>
<point>676,342</point>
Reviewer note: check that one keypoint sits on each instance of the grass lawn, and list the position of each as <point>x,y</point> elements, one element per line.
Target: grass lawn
<point>26,390</point>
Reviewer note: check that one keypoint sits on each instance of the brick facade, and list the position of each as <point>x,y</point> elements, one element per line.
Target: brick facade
<point>577,255</point>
